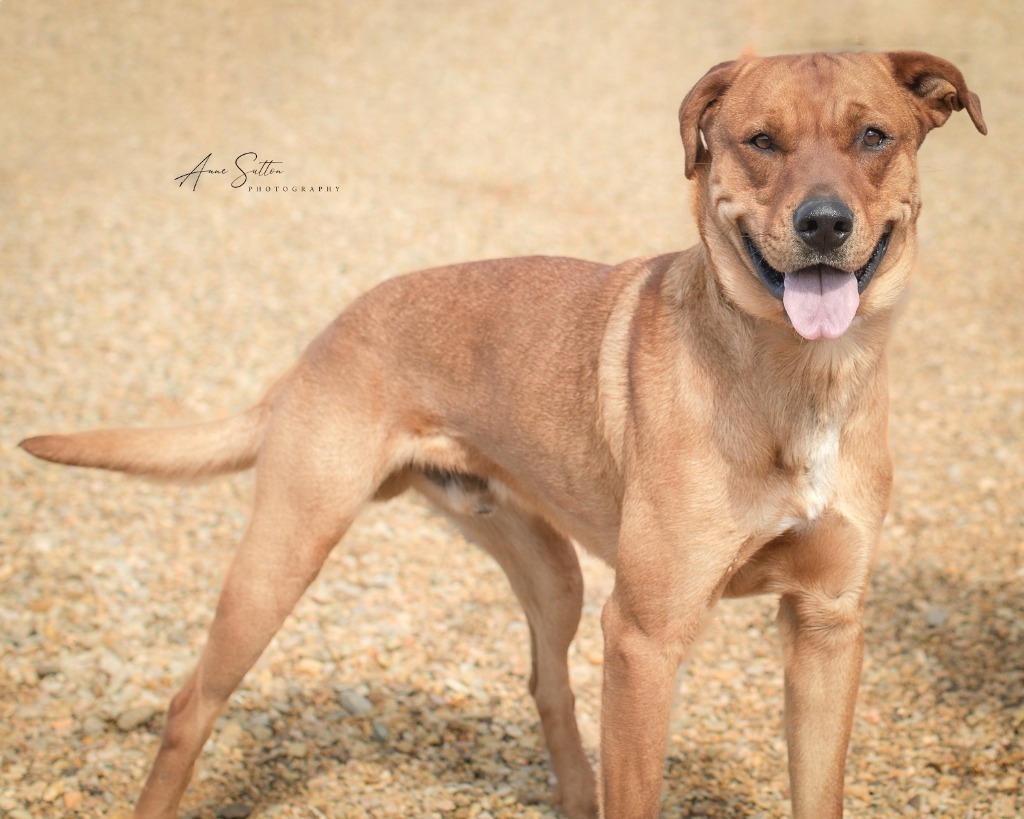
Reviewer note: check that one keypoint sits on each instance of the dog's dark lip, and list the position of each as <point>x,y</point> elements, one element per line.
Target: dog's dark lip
<point>774,280</point>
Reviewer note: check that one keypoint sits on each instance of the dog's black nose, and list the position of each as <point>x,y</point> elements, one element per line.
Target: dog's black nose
<point>824,224</point>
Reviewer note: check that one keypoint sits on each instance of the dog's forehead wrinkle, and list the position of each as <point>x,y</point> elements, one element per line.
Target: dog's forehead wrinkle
<point>770,112</point>
<point>856,110</point>
<point>835,99</point>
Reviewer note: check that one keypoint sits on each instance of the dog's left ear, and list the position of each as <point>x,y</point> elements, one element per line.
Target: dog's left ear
<point>937,86</point>
<point>701,98</point>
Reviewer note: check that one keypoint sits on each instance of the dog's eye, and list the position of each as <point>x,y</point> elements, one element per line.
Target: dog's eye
<point>763,142</point>
<point>873,137</point>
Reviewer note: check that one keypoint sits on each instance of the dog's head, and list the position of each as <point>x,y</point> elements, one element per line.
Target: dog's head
<point>806,172</point>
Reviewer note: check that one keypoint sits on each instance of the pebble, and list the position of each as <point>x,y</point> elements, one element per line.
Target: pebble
<point>48,669</point>
<point>296,750</point>
<point>236,810</point>
<point>354,702</point>
<point>135,717</point>
<point>94,726</point>
<point>231,732</point>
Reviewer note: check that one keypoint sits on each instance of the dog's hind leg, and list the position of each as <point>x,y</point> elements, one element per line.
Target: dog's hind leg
<point>544,572</point>
<point>305,499</point>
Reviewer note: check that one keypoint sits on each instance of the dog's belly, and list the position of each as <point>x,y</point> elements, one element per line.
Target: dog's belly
<point>465,482</point>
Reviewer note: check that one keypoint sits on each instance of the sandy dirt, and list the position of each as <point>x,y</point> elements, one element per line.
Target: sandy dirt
<point>424,134</point>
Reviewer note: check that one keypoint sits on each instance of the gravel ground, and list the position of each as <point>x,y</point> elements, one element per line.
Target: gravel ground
<point>448,131</point>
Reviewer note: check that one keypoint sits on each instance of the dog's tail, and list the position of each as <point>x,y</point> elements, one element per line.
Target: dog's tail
<point>187,453</point>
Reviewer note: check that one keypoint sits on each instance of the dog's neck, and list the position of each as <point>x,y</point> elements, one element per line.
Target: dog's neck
<point>831,375</point>
<point>828,377</point>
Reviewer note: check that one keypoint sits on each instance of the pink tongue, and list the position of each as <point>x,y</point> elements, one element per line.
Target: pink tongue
<point>820,301</point>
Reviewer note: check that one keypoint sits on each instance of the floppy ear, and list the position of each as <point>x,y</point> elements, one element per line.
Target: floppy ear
<point>938,88</point>
<point>701,97</point>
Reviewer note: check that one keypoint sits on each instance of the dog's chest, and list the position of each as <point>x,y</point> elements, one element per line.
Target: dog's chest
<point>807,477</point>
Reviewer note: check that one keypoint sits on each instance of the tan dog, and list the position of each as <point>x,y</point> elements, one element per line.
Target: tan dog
<point>711,423</point>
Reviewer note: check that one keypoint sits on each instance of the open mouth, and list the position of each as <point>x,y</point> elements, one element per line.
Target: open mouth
<point>775,280</point>
<point>820,301</point>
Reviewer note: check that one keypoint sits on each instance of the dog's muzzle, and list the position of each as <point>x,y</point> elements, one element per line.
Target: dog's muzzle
<point>820,300</point>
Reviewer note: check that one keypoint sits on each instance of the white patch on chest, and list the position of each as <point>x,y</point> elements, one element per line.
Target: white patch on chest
<point>818,486</point>
<point>811,486</point>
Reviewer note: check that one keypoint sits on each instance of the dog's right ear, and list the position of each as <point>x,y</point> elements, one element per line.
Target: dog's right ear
<point>696,104</point>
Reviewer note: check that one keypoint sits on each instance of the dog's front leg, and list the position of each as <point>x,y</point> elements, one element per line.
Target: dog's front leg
<point>821,620</point>
<point>823,665</point>
<point>639,676</point>
<point>663,591</point>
